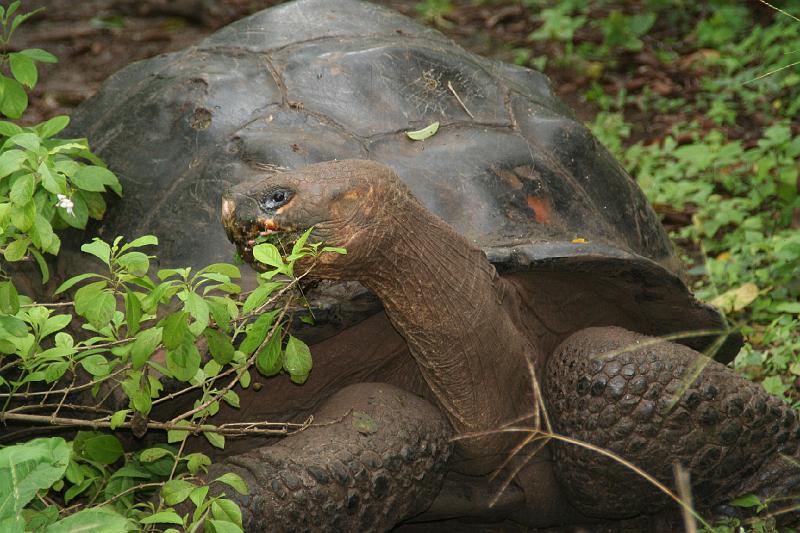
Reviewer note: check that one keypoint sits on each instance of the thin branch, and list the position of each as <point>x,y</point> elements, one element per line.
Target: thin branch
<point>463,106</point>
<point>264,428</point>
<point>90,384</point>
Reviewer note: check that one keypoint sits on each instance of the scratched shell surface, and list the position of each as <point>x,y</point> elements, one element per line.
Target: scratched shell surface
<point>314,80</point>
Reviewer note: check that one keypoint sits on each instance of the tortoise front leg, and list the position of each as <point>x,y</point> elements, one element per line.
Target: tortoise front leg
<point>620,391</point>
<point>375,456</point>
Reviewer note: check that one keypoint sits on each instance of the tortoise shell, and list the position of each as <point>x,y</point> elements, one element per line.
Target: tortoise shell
<point>314,80</point>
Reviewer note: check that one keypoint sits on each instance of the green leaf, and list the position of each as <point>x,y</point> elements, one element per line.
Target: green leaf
<point>53,324</point>
<point>749,500</point>
<point>118,418</point>
<point>17,249</point>
<point>136,263</point>
<point>153,454</point>
<point>13,326</point>
<point>23,68</point>
<point>92,520</point>
<point>23,217</point>
<point>138,392</point>
<point>52,181</point>
<point>231,398</point>
<point>11,161</point>
<point>25,469</point>
<point>143,347</point>
<point>268,360</point>
<point>334,250</point>
<point>15,99</point>
<point>100,249</point>
<point>76,490</point>
<point>268,254</point>
<point>42,264</point>
<point>96,303</point>
<point>297,360</point>
<point>73,280</point>
<point>27,140</point>
<point>178,435</point>
<point>55,371</point>
<point>215,439</point>
<point>235,482</point>
<point>197,463</point>
<point>787,307</point>
<point>37,54</point>
<point>163,517</point>
<point>258,332</point>
<point>227,510</point>
<point>9,129</point>
<point>94,178</point>
<point>176,491</point>
<point>184,361</point>
<point>53,126</point>
<point>424,133</point>
<point>198,495</point>
<point>259,296</point>
<point>297,249</point>
<point>176,330</point>
<point>133,312</point>
<point>104,449</point>
<point>197,308</point>
<point>96,365</point>
<point>221,526</point>
<point>22,189</point>
<point>225,269</point>
<point>9,298</point>
<point>220,346</point>
<point>42,235</point>
<point>145,240</point>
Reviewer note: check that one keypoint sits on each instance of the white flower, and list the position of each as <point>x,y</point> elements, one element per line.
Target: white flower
<point>65,202</point>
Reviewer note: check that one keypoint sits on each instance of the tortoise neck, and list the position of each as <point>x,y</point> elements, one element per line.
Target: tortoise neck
<point>447,300</point>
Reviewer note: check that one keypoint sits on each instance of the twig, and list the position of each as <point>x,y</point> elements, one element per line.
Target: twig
<point>128,491</point>
<point>685,492</point>
<point>463,106</point>
<point>51,304</point>
<point>779,10</point>
<point>26,395</point>
<point>268,428</point>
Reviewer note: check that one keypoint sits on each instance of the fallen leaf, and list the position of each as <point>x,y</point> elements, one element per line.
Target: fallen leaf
<point>736,299</point>
<point>364,423</point>
<point>424,133</point>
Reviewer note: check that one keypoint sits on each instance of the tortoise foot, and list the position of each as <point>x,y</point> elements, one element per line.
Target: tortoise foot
<point>655,405</point>
<point>375,456</point>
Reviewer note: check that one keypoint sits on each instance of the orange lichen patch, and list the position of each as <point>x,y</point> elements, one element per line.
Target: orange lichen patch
<point>540,209</point>
<point>509,177</point>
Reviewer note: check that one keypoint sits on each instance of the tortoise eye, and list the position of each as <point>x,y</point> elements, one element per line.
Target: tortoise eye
<point>276,198</point>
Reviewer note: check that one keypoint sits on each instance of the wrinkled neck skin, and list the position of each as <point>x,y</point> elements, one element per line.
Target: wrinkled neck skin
<point>447,300</point>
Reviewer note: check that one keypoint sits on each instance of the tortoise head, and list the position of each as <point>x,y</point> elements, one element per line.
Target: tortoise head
<point>345,202</point>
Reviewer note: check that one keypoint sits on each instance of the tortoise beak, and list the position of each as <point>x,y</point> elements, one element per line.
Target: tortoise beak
<point>228,207</point>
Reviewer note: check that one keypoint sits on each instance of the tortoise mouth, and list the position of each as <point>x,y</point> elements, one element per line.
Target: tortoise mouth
<point>246,235</point>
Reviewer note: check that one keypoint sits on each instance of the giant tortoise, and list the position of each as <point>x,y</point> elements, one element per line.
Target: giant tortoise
<point>508,244</point>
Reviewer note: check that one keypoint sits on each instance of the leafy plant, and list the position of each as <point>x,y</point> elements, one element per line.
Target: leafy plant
<point>97,355</point>
<point>168,314</point>
<point>45,183</point>
<point>435,11</point>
